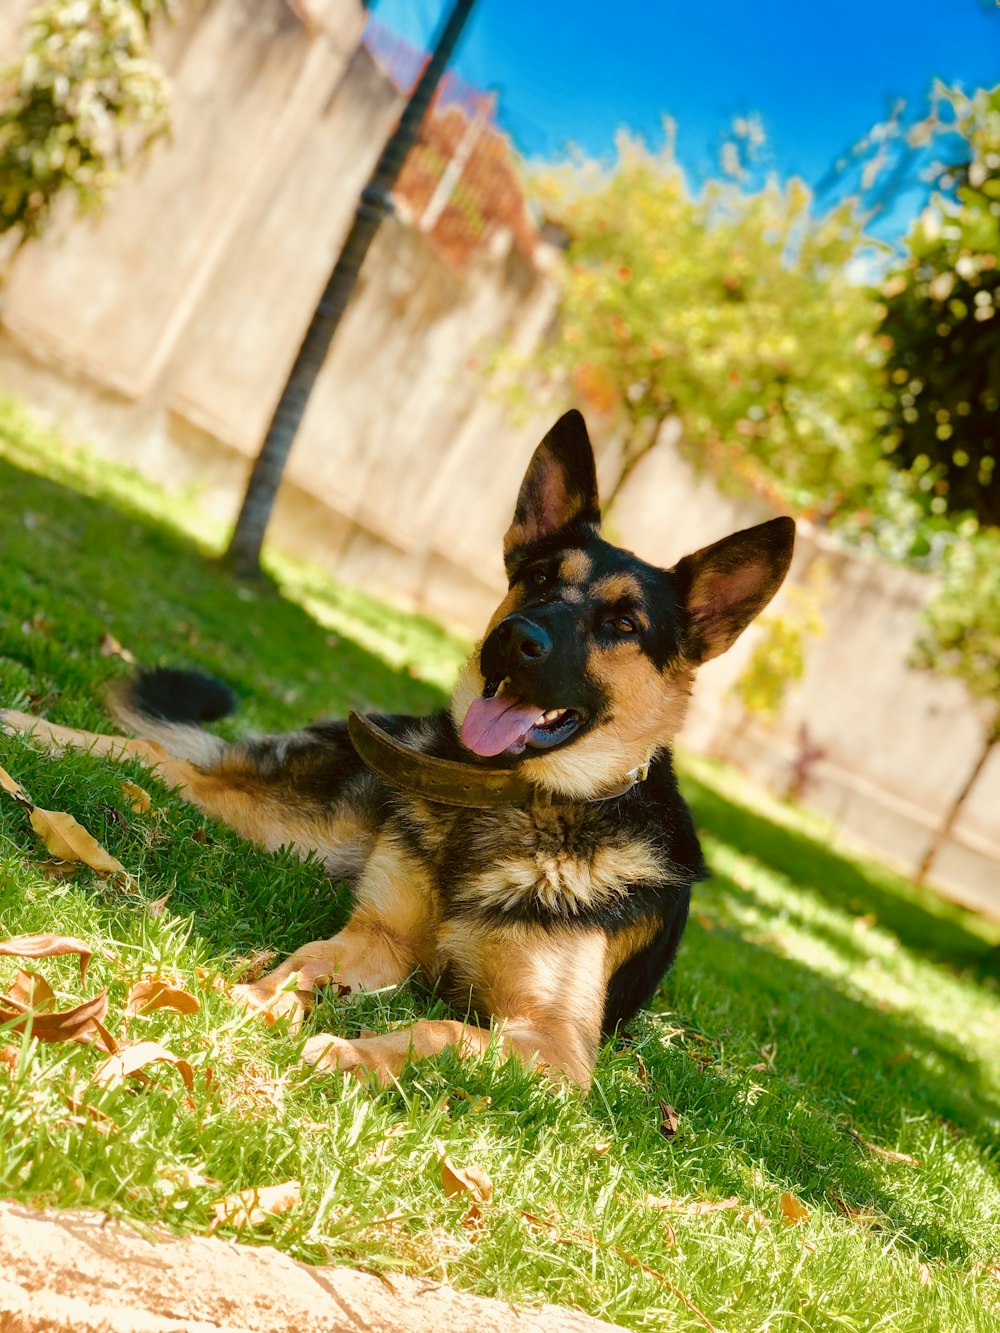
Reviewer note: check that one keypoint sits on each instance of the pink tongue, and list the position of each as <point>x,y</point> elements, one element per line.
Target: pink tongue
<point>494,725</point>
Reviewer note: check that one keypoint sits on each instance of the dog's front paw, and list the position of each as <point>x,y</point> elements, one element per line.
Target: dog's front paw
<point>291,1005</point>
<point>325,1051</point>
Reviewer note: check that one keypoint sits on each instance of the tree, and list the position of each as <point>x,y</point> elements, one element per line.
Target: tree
<point>731,310</point>
<point>268,469</point>
<point>85,99</point>
<point>962,639</point>
<point>941,410</point>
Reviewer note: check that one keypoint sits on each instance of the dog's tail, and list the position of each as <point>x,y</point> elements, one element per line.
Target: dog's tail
<point>171,706</point>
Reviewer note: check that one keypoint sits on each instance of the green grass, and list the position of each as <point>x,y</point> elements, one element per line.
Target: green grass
<point>816,997</point>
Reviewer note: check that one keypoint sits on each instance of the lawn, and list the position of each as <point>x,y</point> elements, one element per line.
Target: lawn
<point>828,1044</point>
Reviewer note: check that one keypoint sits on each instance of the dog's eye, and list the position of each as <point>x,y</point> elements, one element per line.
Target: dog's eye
<point>623,624</point>
<point>538,578</point>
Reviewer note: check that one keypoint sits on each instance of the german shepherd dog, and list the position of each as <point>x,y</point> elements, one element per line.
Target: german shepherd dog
<point>528,850</point>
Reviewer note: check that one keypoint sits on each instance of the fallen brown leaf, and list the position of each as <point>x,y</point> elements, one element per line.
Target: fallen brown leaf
<point>33,991</point>
<point>133,1059</point>
<point>254,1206</point>
<point>158,993</point>
<point>9,1058</point>
<point>457,1180</point>
<point>793,1210</point>
<point>138,797</point>
<point>14,788</point>
<point>70,841</point>
<point>54,869</point>
<point>669,1120</point>
<point>254,967</point>
<point>110,647</point>
<point>47,946</point>
<point>64,1025</point>
<point>864,1217</point>
<point>885,1153</point>
<point>102,1123</point>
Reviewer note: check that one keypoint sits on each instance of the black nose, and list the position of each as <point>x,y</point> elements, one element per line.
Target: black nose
<point>522,641</point>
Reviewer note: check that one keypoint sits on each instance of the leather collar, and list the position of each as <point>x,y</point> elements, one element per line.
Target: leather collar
<point>460,784</point>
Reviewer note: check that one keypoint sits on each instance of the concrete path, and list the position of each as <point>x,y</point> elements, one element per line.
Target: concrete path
<point>81,1272</point>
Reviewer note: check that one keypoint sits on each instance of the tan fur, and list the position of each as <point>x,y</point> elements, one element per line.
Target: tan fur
<point>232,793</point>
<point>365,956</point>
<point>575,567</point>
<point>563,883</point>
<point>618,588</point>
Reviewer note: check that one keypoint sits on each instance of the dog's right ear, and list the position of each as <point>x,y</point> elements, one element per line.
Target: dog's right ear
<point>559,489</point>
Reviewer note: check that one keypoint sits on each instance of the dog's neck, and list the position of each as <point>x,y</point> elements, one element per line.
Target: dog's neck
<point>467,785</point>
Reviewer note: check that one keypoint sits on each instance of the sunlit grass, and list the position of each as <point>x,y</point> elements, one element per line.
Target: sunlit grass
<point>819,1003</point>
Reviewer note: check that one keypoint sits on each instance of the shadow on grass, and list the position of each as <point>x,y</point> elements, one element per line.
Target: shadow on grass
<point>919,919</point>
<point>76,568</point>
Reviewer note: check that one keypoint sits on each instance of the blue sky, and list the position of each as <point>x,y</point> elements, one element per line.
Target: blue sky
<point>819,74</point>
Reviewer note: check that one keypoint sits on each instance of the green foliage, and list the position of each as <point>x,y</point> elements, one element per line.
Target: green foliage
<point>85,99</point>
<point>778,656</point>
<point>963,621</point>
<point>941,416</point>
<point>731,310</point>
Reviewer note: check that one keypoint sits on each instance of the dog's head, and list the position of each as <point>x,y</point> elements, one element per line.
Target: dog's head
<point>586,666</point>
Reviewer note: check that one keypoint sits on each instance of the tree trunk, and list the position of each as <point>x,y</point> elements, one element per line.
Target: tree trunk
<point>940,837</point>
<point>632,458</point>
<point>265,478</point>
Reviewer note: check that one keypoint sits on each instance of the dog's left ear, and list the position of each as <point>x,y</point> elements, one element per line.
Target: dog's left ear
<point>559,489</point>
<point>724,586</point>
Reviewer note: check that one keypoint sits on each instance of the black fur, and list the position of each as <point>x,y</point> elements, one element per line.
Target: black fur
<point>181,696</point>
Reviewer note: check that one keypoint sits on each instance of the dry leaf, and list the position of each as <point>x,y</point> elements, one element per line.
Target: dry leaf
<point>65,1025</point>
<point>886,1153</point>
<point>458,1180</point>
<point>54,869</point>
<point>110,647</point>
<point>641,1069</point>
<point>669,1120</point>
<point>10,1057</point>
<point>33,991</point>
<point>13,788</point>
<point>158,993</point>
<point>924,1275</point>
<point>155,908</point>
<point>254,967</point>
<point>602,1148</point>
<point>254,1206</point>
<point>755,1219</point>
<point>864,1217</point>
<point>70,841</point>
<point>134,1058</point>
<point>47,946</point>
<point>793,1210</point>
<point>102,1123</point>
<point>138,797</point>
